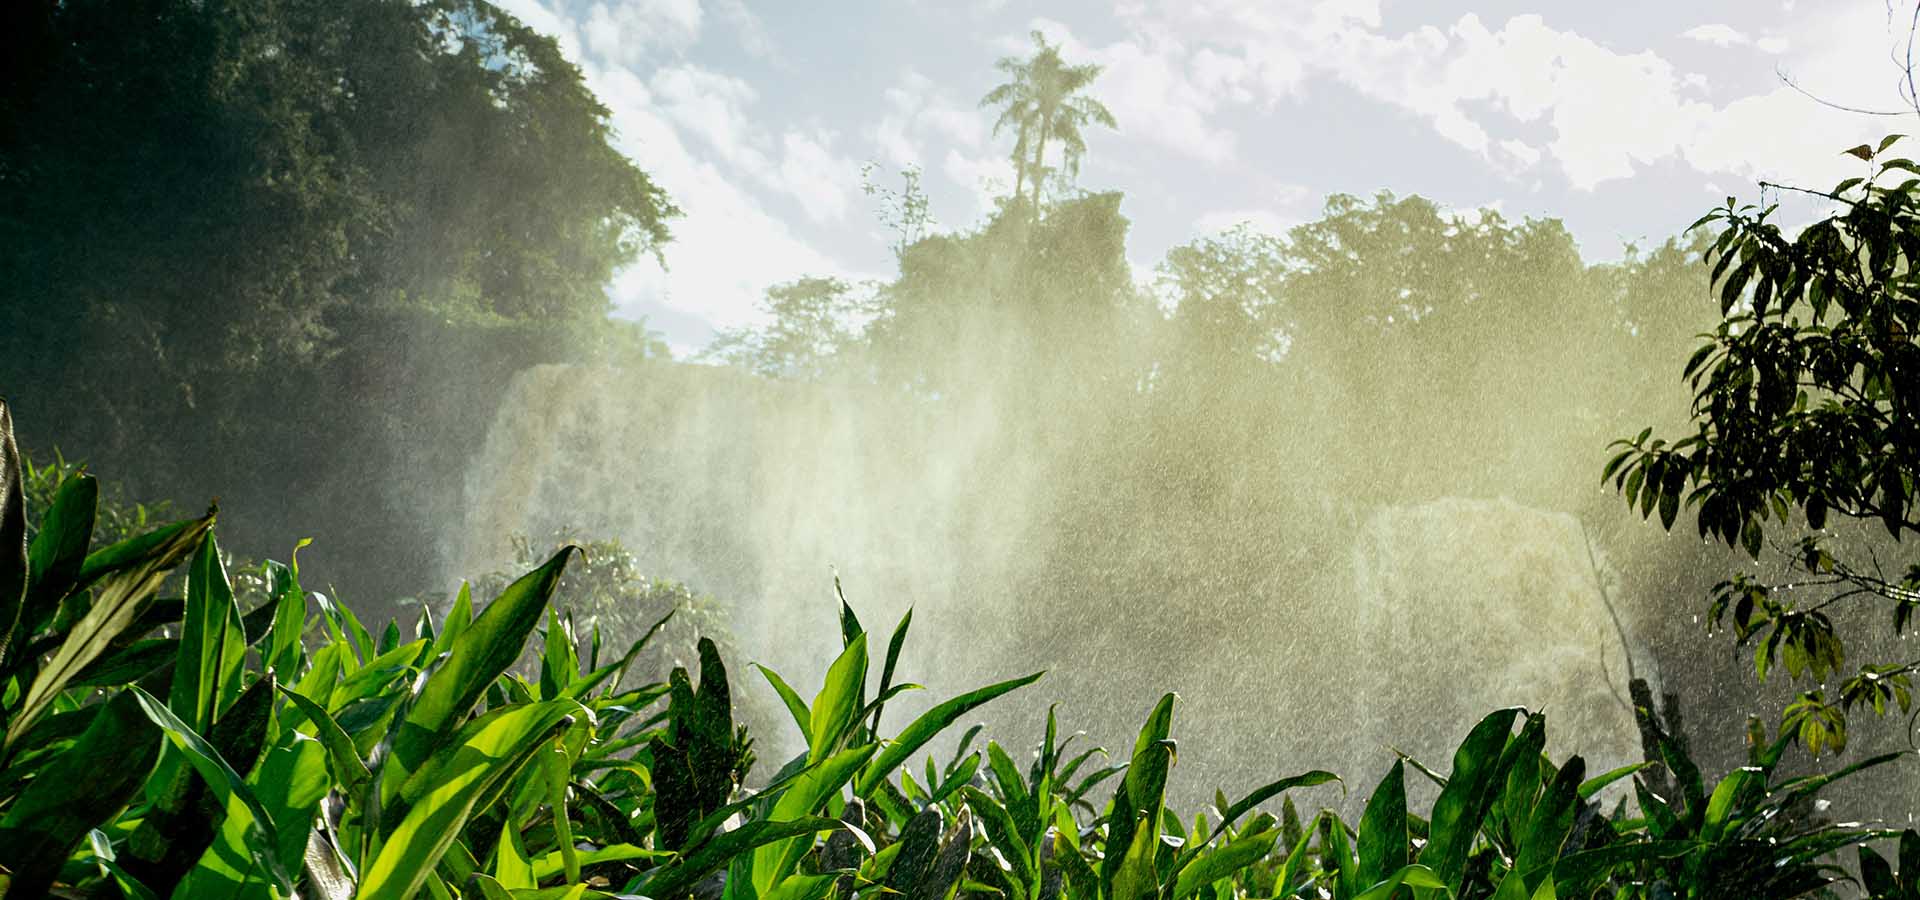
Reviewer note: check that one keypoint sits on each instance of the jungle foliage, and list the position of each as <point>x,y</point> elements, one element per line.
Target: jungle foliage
<point>1805,406</point>
<point>212,210</point>
<point>158,746</point>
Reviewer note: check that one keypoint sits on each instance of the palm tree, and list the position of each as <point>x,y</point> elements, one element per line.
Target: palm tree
<point>1041,101</point>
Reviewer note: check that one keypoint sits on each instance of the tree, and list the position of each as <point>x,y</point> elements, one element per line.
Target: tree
<point>1806,400</point>
<point>1228,295</point>
<point>1042,103</point>
<point>303,236</point>
<point>197,188</point>
<point>814,321</point>
<point>1438,338</point>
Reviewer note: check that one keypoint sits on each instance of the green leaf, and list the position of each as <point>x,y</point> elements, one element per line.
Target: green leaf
<point>1224,862</point>
<point>58,550</point>
<point>181,820</point>
<point>1384,842</point>
<point>804,797</point>
<point>348,769</point>
<point>1545,831</point>
<point>286,651</point>
<point>926,727</point>
<point>894,645</point>
<point>225,782</point>
<point>14,564</point>
<point>475,657</point>
<point>82,789</point>
<point>1233,812</point>
<point>1134,822</point>
<point>1467,796</point>
<point>1580,873</point>
<point>117,604</point>
<point>290,783</point>
<point>1600,782</point>
<point>839,700</point>
<point>1003,833</point>
<point>1720,805</point>
<point>1414,875</point>
<point>796,707</point>
<point>511,868</point>
<point>670,880</point>
<point>213,647</point>
<point>449,786</point>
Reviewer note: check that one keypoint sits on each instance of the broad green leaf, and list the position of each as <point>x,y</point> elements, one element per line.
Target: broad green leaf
<point>1586,870</point>
<point>926,727</point>
<point>475,657</point>
<point>511,867</point>
<point>806,795</point>
<point>1415,875</point>
<point>672,879</point>
<point>797,707</point>
<point>82,789</point>
<point>225,782</point>
<point>1003,833</point>
<point>839,700</point>
<point>1223,862</point>
<point>177,825</point>
<point>1137,804</point>
<point>1598,783</point>
<point>552,864</point>
<point>206,675</point>
<point>801,887</point>
<point>285,650</point>
<point>894,645</point>
<point>117,603</point>
<point>349,770</point>
<point>447,789</point>
<point>1233,812</point>
<point>14,564</point>
<point>290,782</point>
<point>1546,830</point>
<point>58,550</point>
<point>1384,842</point>
<point>1466,797</point>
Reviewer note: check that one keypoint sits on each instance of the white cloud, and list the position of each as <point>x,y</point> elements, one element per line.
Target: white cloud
<point>1523,94</point>
<point>625,32</point>
<point>728,248</point>
<point>814,174</point>
<point>1721,35</point>
<point>1153,81</point>
<point>713,107</point>
<point>1718,35</point>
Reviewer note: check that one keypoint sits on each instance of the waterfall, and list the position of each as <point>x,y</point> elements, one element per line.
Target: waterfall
<point>757,491</point>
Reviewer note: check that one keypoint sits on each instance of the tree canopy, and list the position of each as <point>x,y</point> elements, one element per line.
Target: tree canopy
<point>1806,403</point>
<point>218,180</point>
<point>1042,102</point>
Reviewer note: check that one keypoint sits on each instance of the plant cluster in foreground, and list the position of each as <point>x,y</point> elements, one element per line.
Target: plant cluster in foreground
<point>187,747</point>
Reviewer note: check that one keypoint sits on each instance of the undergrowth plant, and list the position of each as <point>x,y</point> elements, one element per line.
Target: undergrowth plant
<point>200,746</point>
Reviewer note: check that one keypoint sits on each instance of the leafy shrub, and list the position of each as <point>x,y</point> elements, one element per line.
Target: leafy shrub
<point>607,592</point>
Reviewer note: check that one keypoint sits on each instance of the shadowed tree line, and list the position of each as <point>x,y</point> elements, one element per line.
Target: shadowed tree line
<point>310,239</point>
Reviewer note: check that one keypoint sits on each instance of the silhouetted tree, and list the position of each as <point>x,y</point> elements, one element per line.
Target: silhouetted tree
<point>1806,401</point>
<point>1042,103</point>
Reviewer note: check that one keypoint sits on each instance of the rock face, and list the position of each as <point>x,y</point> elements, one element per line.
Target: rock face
<point>1465,606</point>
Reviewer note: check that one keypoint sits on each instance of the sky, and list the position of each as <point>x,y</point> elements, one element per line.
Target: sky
<point>1626,120</point>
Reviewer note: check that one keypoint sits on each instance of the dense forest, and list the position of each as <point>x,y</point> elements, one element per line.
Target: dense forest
<point>339,270</point>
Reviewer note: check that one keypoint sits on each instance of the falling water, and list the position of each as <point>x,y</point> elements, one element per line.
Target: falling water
<point>758,491</point>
